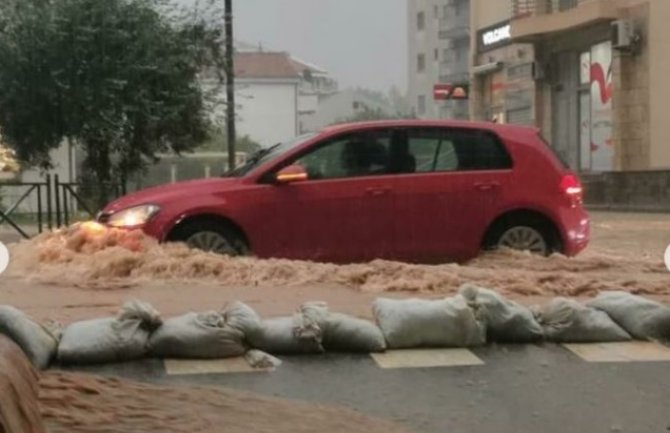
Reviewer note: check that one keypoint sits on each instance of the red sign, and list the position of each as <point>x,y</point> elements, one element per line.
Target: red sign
<point>444,92</point>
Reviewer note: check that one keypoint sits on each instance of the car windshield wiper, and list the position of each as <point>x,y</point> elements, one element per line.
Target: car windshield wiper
<point>251,162</point>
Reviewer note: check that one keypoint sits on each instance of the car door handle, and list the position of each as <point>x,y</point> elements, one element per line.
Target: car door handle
<point>486,186</point>
<point>377,191</point>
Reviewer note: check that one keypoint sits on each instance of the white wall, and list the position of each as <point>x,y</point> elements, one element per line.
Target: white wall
<point>267,110</point>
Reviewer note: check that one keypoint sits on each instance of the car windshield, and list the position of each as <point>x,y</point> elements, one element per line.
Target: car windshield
<point>268,154</point>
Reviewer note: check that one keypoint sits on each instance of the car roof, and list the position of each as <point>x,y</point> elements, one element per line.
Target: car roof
<point>414,123</point>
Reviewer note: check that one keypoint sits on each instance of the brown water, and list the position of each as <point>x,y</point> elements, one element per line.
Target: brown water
<point>85,404</point>
<point>75,403</point>
<point>19,409</point>
<point>113,259</point>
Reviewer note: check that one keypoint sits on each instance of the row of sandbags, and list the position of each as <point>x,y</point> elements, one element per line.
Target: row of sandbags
<point>473,317</point>
<point>477,315</point>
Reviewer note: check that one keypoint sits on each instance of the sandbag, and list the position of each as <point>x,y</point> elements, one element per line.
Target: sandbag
<point>36,341</point>
<point>259,359</point>
<point>197,336</point>
<point>119,339</point>
<point>568,321</point>
<point>310,319</point>
<point>278,336</point>
<point>423,323</point>
<point>337,332</point>
<point>505,320</point>
<point>344,333</point>
<point>241,317</point>
<point>300,333</point>
<point>642,318</point>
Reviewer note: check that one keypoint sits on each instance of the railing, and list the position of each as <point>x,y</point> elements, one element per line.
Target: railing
<point>454,25</point>
<point>30,207</point>
<point>525,8</point>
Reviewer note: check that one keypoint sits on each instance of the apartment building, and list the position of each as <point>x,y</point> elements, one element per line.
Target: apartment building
<point>591,74</point>
<point>454,68</point>
<point>439,53</point>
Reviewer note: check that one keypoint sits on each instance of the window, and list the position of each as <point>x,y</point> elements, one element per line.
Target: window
<point>421,63</point>
<point>436,54</point>
<point>420,21</point>
<point>436,11</point>
<point>428,150</point>
<point>354,155</point>
<point>421,104</point>
<point>479,150</point>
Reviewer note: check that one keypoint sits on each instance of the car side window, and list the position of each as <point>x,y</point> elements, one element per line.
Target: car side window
<point>479,150</point>
<point>421,150</point>
<point>353,155</point>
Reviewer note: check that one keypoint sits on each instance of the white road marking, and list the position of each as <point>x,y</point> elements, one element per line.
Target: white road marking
<point>183,367</point>
<point>634,351</point>
<point>421,358</point>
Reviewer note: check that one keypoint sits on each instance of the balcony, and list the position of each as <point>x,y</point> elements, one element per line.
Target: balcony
<point>455,24</point>
<point>533,19</point>
<point>454,72</point>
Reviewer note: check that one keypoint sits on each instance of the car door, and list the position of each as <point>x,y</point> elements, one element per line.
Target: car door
<point>443,206</point>
<point>343,211</point>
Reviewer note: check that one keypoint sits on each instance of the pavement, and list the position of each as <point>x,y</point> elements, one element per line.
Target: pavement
<point>622,387</point>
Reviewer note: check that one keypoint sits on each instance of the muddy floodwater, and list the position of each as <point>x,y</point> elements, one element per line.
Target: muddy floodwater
<point>57,402</point>
<point>82,271</point>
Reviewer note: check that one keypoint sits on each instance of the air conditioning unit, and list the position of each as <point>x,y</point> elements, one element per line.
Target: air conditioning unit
<point>623,34</point>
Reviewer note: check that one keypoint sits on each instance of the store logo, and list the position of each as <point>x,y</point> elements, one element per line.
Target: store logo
<point>667,258</point>
<point>4,258</point>
<point>497,35</point>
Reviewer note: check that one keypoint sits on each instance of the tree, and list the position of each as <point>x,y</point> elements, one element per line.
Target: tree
<point>119,78</point>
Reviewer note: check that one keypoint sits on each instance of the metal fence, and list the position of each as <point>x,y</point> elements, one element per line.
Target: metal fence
<point>29,208</point>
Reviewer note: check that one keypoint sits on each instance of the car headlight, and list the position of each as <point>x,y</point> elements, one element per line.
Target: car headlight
<point>133,217</point>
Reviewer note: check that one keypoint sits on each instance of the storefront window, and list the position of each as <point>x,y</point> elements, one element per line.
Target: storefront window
<point>602,149</point>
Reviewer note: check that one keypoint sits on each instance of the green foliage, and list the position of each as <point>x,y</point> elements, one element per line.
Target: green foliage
<point>117,77</point>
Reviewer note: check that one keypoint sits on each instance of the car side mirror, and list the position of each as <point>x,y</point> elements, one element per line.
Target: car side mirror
<point>291,174</point>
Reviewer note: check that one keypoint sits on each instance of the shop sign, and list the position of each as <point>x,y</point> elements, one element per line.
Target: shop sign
<point>445,92</point>
<point>495,36</point>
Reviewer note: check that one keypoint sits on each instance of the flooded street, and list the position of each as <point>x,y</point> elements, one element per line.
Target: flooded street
<point>77,274</point>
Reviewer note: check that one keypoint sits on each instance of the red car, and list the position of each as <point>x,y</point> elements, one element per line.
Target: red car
<point>423,191</point>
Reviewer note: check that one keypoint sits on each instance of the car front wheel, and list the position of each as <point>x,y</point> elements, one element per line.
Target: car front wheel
<point>212,237</point>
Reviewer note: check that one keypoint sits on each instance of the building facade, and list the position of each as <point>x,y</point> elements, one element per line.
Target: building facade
<point>591,74</point>
<point>454,35</point>
<point>267,92</point>
<point>502,87</point>
<point>438,53</point>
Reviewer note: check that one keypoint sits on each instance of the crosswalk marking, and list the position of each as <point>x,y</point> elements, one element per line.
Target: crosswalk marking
<point>421,358</point>
<point>183,367</point>
<point>634,351</point>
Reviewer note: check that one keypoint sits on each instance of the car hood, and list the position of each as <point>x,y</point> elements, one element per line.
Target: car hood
<point>159,194</point>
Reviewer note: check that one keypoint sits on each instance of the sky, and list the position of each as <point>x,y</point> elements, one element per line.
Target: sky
<point>360,42</point>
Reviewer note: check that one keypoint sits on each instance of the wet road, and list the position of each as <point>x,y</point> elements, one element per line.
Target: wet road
<point>520,389</point>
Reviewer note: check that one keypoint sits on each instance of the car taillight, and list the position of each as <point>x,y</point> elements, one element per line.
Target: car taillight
<point>572,188</point>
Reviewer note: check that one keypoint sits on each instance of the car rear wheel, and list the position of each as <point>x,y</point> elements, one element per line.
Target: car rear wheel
<point>211,236</point>
<point>525,232</point>
<point>524,238</point>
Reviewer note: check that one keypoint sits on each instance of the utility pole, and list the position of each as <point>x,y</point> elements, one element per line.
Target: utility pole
<point>230,84</point>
